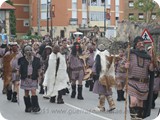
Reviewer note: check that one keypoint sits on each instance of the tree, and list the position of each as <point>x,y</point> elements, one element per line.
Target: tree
<point>148,7</point>
<point>12,19</point>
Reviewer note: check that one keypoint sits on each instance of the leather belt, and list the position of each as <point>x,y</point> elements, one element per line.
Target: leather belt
<point>143,80</point>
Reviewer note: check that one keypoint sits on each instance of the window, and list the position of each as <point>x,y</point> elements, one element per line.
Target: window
<point>117,11</point>
<point>131,4</point>
<point>153,16</point>
<point>73,21</point>
<point>44,15</point>
<point>74,9</point>
<point>117,2</point>
<point>96,16</point>
<point>26,23</point>
<point>43,6</point>
<point>93,2</point>
<point>26,9</point>
<point>140,16</point>
<point>131,15</point>
<point>108,3</point>
<point>84,2</point>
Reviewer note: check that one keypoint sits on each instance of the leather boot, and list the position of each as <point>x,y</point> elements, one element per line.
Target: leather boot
<point>59,98</point>
<point>35,104</point>
<point>80,97</point>
<point>153,100</point>
<point>133,113</point>
<point>73,94</point>
<point>41,90</point>
<point>119,95</point>
<point>91,85</point>
<point>111,103</point>
<point>87,84</point>
<point>14,98</point>
<point>67,90</point>
<point>9,94</point>
<point>53,99</point>
<point>27,102</point>
<point>140,113</point>
<point>122,95</point>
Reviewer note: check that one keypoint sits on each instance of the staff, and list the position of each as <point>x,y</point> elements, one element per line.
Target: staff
<point>128,57</point>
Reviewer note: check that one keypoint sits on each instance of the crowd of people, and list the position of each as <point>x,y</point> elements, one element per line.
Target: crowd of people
<point>53,65</point>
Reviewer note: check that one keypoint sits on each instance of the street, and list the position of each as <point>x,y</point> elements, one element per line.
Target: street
<point>73,109</point>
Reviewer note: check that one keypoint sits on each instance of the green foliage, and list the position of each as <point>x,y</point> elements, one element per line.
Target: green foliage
<point>12,19</point>
<point>133,18</point>
<point>144,5</point>
<point>148,7</point>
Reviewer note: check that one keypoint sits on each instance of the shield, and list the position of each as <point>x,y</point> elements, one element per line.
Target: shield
<point>147,104</point>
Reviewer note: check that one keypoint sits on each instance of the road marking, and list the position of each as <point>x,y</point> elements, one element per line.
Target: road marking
<point>87,112</point>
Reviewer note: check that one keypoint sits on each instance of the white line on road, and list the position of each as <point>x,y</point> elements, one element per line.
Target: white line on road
<point>87,111</point>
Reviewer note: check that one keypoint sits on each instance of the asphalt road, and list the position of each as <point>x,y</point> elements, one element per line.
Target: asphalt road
<point>73,109</point>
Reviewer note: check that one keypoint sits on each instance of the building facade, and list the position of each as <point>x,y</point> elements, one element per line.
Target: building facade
<point>65,16</point>
<point>22,16</point>
<point>137,15</point>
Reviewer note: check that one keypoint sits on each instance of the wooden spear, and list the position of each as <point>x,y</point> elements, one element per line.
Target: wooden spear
<point>128,57</point>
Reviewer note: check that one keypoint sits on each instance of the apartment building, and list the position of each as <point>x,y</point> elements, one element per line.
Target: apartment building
<point>132,13</point>
<point>22,16</point>
<point>68,16</point>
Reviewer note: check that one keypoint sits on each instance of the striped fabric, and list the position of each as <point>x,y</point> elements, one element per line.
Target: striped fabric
<point>135,70</point>
<point>136,88</point>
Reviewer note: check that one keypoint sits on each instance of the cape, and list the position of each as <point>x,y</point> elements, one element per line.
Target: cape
<point>51,81</point>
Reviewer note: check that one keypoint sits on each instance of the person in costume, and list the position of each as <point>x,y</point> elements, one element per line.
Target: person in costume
<point>120,75</point>
<point>15,68</point>
<point>66,52</point>
<point>29,71</point>
<point>139,67</point>
<point>76,69</point>
<point>45,57</point>
<point>89,64</point>
<point>100,69</point>
<point>56,77</point>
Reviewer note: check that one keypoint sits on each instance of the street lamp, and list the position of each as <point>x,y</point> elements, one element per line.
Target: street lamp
<point>47,16</point>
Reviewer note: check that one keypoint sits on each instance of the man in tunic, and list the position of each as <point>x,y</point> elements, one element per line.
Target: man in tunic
<point>139,66</point>
<point>76,68</point>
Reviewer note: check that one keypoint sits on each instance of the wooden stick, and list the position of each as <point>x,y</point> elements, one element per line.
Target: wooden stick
<point>128,57</point>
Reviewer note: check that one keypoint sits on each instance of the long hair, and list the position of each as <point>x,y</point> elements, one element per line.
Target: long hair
<point>74,50</point>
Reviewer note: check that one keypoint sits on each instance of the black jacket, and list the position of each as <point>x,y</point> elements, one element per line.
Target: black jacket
<point>23,63</point>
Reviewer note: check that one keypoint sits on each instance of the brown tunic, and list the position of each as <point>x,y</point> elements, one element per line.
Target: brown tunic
<point>138,69</point>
